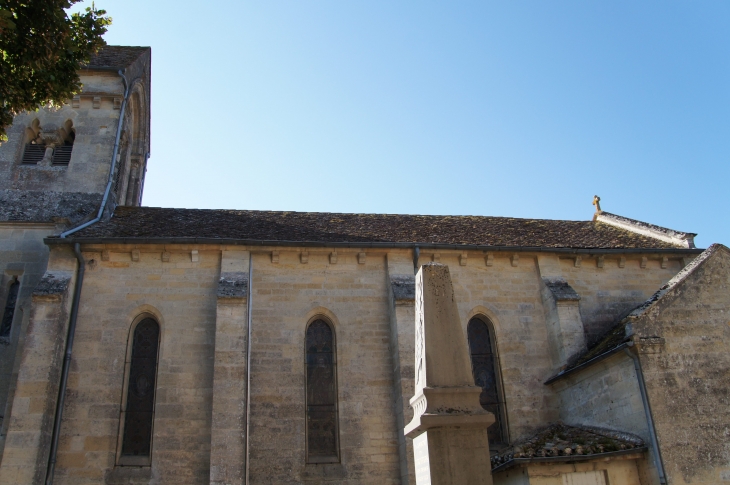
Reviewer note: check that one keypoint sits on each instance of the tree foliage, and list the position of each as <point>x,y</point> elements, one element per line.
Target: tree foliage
<point>41,51</point>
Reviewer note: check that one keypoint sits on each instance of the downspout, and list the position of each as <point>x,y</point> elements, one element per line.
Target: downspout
<point>248,363</point>
<point>416,255</point>
<point>647,410</point>
<point>111,168</point>
<point>66,365</point>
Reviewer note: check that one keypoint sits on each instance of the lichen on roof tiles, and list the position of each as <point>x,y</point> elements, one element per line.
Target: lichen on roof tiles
<point>323,227</point>
<point>561,440</point>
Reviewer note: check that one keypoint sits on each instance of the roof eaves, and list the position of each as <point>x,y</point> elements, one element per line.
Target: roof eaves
<point>360,244</point>
<point>562,459</point>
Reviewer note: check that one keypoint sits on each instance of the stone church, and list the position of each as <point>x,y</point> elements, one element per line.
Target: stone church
<point>144,345</point>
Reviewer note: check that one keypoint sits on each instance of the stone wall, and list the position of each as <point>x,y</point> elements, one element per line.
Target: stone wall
<point>684,341</point>
<point>607,395</point>
<point>22,255</point>
<point>616,288</point>
<point>199,427</point>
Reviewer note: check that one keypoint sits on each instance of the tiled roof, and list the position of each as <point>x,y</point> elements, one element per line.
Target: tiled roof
<point>560,442</point>
<point>328,228</point>
<point>43,206</point>
<point>116,56</point>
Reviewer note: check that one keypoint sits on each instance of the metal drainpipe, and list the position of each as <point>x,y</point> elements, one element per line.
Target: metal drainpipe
<point>66,365</point>
<point>113,164</point>
<point>416,255</point>
<point>647,410</point>
<point>248,362</point>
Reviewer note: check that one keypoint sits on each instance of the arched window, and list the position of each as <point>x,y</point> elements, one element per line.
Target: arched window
<point>322,423</point>
<point>9,312</point>
<point>140,410</point>
<point>484,365</point>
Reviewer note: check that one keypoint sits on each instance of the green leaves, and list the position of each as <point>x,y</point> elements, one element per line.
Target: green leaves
<point>41,50</point>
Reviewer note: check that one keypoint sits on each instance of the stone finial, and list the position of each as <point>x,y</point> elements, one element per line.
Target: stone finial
<point>597,203</point>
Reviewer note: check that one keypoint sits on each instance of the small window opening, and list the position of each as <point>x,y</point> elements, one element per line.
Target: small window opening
<point>322,421</point>
<point>10,302</point>
<point>139,413</point>
<point>485,368</point>
<point>62,153</point>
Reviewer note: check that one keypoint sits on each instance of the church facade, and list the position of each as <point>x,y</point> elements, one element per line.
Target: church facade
<point>157,346</point>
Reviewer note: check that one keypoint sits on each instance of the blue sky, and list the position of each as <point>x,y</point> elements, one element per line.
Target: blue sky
<point>520,109</point>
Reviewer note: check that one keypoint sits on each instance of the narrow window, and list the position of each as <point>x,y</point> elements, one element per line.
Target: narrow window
<point>322,432</point>
<point>9,312</point>
<point>139,413</point>
<point>485,369</point>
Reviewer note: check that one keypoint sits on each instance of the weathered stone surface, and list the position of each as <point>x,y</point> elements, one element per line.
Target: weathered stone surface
<point>46,206</point>
<point>52,284</point>
<point>404,288</point>
<point>233,285</point>
<point>561,290</point>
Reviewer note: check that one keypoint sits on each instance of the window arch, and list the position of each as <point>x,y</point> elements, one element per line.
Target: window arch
<point>138,414</point>
<point>322,445</point>
<point>485,367</point>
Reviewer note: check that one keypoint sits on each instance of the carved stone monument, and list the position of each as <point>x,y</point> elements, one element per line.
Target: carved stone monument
<point>449,427</point>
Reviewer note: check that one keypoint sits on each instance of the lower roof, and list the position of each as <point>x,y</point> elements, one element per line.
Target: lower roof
<point>153,224</point>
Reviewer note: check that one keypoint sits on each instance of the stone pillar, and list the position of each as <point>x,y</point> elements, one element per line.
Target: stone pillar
<point>449,426</point>
<point>566,336</point>
<point>401,296</point>
<point>28,441</point>
<point>228,428</point>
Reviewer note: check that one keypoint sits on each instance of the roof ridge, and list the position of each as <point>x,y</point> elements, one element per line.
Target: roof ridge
<point>683,239</point>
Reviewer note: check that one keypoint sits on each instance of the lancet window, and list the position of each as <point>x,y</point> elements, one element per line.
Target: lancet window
<point>485,367</point>
<point>321,396</point>
<point>9,312</point>
<point>140,409</point>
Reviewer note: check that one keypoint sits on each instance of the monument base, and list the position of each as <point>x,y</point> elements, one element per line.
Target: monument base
<point>450,456</point>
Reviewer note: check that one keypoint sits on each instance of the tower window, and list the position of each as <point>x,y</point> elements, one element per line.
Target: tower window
<point>484,365</point>
<point>322,422</point>
<point>62,153</point>
<point>139,412</point>
<point>9,312</point>
<point>33,153</point>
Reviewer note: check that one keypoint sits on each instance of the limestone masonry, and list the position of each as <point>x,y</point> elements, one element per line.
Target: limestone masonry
<point>144,345</point>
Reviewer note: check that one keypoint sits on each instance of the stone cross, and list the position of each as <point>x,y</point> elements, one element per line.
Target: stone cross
<point>449,427</point>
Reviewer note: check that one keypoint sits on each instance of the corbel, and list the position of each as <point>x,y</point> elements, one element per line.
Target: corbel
<point>600,261</point>
<point>105,255</point>
<point>622,262</point>
<point>275,257</point>
<point>165,256</point>
<point>76,102</point>
<point>515,259</point>
<point>135,254</point>
<point>360,258</point>
<point>117,102</point>
<point>436,257</point>
<point>304,257</point>
<point>665,261</point>
<point>489,259</point>
<point>578,261</point>
<point>333,257</point>
<point>96,102</point>
<point>643,262</point>
<point>194,256</point>
<point>462,259</point>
